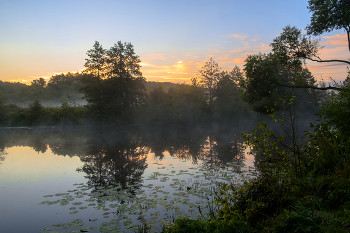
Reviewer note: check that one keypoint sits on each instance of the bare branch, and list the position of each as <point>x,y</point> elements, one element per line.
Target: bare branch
<point>333,60</point>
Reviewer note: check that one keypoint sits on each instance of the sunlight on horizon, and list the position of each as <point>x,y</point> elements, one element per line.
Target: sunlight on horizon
<point>184,66</point>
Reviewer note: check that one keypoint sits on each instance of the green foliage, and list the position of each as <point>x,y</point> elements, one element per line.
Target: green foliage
<point>301,187</point>
<point>68,111</point>
<point>336,109</point>
<point>269,76</point>
<point>36,111</point>
<point>259,88</point>
<point>212,226</point>
<point>325,142</point>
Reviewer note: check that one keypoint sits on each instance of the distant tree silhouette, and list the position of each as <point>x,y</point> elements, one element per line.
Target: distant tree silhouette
<point>113,83</point>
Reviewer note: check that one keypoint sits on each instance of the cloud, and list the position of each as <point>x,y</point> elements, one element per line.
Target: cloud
<point>264,47</point>
<point>335,47</point>
<point>255,38</point>
<point>339,39</point>
<point>175,71</point>
<point>143,64</point>
<point>182,66</point>
<point>236,36</point>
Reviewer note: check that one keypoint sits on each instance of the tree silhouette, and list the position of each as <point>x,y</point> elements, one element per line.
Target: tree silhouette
<point>209,76</point>
<point>113,83</point>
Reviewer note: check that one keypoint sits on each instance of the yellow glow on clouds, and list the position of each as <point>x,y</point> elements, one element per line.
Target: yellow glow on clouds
<point>188,64</point>
<point>335,47</point>
<point>180,67</point>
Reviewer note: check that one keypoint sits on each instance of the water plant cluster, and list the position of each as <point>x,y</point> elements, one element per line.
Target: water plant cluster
<point>150,205</point>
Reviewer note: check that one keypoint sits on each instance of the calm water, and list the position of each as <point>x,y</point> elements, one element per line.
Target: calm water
<point>100,180</point>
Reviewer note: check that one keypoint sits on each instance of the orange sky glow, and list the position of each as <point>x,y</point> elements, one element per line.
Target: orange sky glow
<point>183,66</point>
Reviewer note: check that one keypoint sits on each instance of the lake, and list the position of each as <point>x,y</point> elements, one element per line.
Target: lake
<point>114,179</point>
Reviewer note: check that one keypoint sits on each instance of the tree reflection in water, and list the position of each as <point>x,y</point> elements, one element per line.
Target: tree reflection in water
<point>214,147</point>
<point>117,156</point>
<point>2,155</point>
<point>114,159</point>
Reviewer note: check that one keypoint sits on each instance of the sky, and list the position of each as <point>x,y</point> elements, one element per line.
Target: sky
<point>173,39</point>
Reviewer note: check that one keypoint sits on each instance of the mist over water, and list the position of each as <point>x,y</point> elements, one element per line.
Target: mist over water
<point>139,162</point>
<point>43,162</point>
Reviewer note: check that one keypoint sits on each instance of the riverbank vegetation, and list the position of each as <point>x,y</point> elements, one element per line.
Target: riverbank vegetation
<point>114,92</point>
<point>303,181</point>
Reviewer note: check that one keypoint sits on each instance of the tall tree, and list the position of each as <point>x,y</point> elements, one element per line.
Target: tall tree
<point>96,61</point>
<point>113,82</point>
<point>228,104</point>
<point>122,61</point>
<point>267,80</point>
<point>209,76</point>
<point>292,48</point>
<point>328,15</point>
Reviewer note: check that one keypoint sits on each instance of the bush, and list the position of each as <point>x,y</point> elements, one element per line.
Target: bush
<point>212,226</point>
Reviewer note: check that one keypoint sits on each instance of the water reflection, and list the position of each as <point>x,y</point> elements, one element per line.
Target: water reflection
<point>120,151</point>
<point>2,155</point>
<point>114,159</point>
<point>120,175</point>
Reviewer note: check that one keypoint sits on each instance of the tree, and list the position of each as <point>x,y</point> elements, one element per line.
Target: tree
<point>97,59</point>
<point>292,48</point>
<point>37,89</point>
<point>257,87</point>
<point>228,104</point>
<point>113,82</point>
<point>336,109</point>
<point>36,111</point>
<point>122,61</point>
<point>209,75</point>
<point>267,80</point>
<point>328,15</point>
<point>59,80</point>
<point>39,82</point>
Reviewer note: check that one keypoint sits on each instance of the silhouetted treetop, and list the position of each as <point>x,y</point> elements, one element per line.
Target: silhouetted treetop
<point>328,15</point>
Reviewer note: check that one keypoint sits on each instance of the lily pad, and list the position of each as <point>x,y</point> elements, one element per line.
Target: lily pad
<point>43,203</point>
<point>77,203</point>
<point>46,230</point>
<point>73,212</point>
<point>86,229</point>
<point>48,196</point>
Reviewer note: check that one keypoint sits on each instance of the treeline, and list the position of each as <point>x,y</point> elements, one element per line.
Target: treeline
<point>49,93</point>
<point>115,92</point>
<point>181,103</point>
<point>53,92</point>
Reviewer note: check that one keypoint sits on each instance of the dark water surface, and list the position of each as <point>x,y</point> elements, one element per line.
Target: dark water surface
<point>112,179</point>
